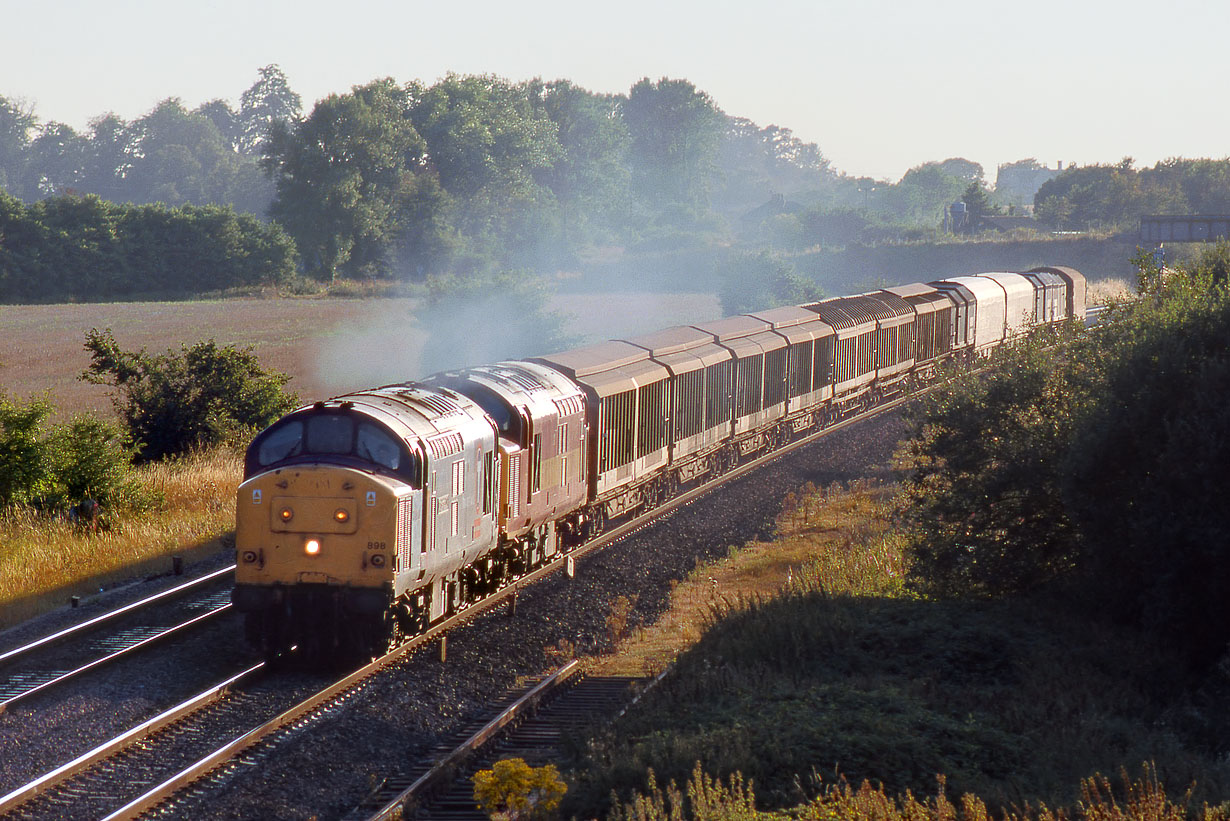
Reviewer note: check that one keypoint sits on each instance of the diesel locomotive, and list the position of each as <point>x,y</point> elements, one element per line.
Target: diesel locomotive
<point>376,513</point>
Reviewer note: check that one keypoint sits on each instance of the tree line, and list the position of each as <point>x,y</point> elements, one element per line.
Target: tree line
<point>172,155</point>
<point>85,248</point>
<point>1094,468</point>
<point>1116,196</point>
<point>468,174</point>
<point>476,173</point>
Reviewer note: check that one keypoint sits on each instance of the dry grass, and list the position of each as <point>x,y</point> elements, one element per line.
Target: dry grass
<point>837,539</point>
<point>44,556</point>
<point>1104,290</point>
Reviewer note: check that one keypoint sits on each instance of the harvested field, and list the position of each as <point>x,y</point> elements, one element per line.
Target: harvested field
<point>327,345</point>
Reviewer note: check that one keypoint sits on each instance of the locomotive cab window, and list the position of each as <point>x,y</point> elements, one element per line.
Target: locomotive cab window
<point>281,443</point>
<point>376,445</point>
<point>332,435</point>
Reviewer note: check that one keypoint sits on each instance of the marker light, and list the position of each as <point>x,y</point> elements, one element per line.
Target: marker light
<point>286,514</point>
<point>311,547</point>
<point>341,516</point>
<point>249,556</point>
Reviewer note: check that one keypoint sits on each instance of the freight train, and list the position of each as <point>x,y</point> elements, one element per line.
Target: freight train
<point>374,514</point>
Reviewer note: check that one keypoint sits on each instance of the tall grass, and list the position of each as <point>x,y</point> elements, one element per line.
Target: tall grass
<point>40,554</point>
<point>708,799</point>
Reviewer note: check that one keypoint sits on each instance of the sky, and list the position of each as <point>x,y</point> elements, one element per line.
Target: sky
<point>879,86</point>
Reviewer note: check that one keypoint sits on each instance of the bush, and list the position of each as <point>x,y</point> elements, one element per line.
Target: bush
<point>1102,462</point>
<point>982,492</point>
<point>58,469</point>
<point>25,470</point>
<point>90,460</point>
<point>1147,477</point>
<point>203,396</point>
<point>512,789</point>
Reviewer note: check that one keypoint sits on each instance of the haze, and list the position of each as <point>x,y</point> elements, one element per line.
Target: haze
<point>880,86</point>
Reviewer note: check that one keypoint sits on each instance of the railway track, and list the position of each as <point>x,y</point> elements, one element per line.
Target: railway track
<point>528,724</point>
<point>40,665</point>
<point>168,763</point>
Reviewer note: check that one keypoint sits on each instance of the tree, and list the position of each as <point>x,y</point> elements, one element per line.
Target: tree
<point>180,158</point>
<point>492,148</point>
<point>977,202</point>
<point>225,119</point>
<point>925,190</point>
<point>1146,477</point>
<point>203,396</point>
<point>111,153</point>
<point>754,282</point>
<point>345,179</point>
<point>1017,182</point>
<point>268,101</point>
<point>58,159</point>
<point>758,163</point>
<point>17,120</point>
<point>962,168</point>
<point>676,131</point>
<point>590,177</point>
<point>982,494</point>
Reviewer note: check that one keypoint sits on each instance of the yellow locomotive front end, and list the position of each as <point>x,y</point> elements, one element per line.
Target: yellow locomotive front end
<point>319,544</point>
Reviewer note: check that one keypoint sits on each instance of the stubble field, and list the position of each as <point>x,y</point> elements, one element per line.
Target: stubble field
<point>326,345</point>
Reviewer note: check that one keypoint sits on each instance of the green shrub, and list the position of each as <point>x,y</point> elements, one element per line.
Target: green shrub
<point>90,460</point>
<point>25,470</point>
<point>59,468</point>
<point>203,396</point>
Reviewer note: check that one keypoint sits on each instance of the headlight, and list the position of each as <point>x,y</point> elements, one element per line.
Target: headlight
<point>311,547</point>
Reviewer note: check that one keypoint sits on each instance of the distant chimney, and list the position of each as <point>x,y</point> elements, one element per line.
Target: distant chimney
<point>1059,165</point>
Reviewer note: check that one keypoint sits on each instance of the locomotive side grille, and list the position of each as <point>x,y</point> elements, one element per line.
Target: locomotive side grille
<point>514,488</point>
<point>405,550</point>
<point>440,404</point>
<point>445,444</point>
<point>568,406</point>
